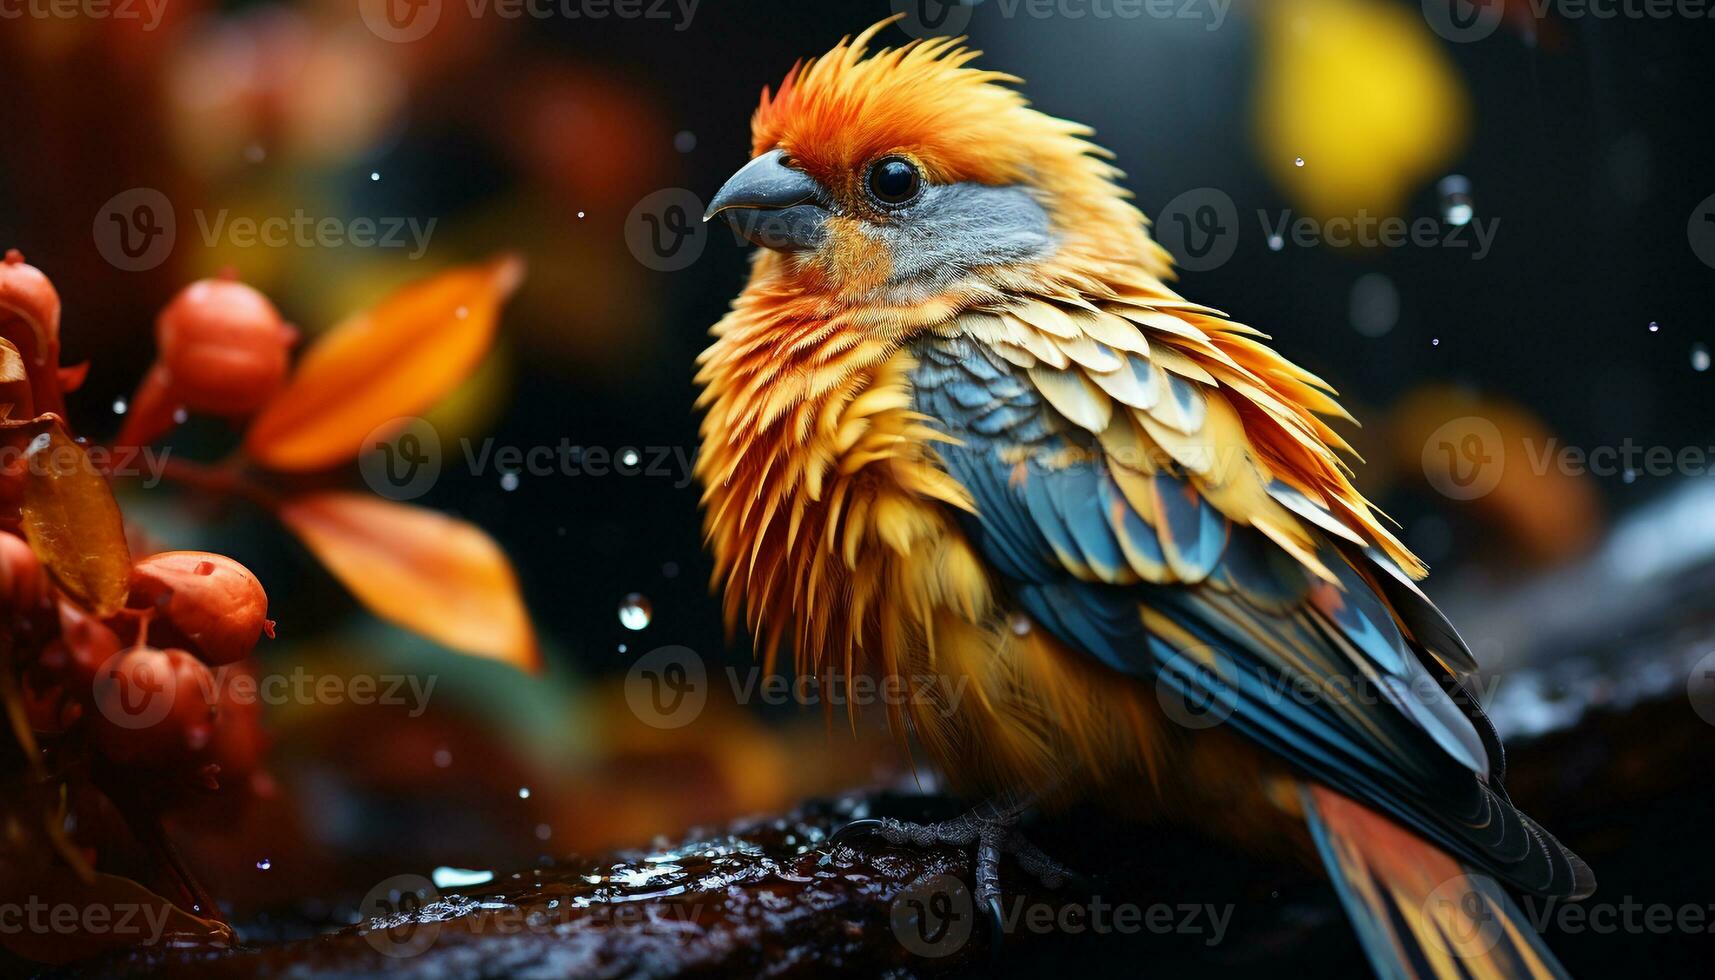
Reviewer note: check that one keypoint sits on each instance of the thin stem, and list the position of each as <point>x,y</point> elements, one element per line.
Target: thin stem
<point>224,479</point>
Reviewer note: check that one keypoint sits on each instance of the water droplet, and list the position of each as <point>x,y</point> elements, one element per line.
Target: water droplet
<point>462,312</point>
<point>629,457</point>
<point>635,611</point>
<point>1456,206</point>
<point>509,482</point>
<point>685,141</point>
<point>375,175</point>
<point>447,877</point>
<point>1699,357</point>
<point>580,214</point>
<point>255,153</point>
<point>523,792</point>
<point>623,648</point>
<point>119,406</point>
<point>1374,304</point>
<point>1436,342</point>
<point>669,569</point>
<point>1630,475</point>
<point>543,831</point>
<point>180,415</point>
<point>264,864</point>
<point>1276,243</point>
<point>1019,623</point>
<point>1654,327</point>
<point>443,758</point>
<point>1298,161</point>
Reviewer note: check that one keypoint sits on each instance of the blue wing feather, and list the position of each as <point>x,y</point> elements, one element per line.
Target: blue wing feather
<point>1068,547</point>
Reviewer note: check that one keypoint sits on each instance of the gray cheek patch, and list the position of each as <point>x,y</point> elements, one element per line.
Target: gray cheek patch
<point>958,228</point>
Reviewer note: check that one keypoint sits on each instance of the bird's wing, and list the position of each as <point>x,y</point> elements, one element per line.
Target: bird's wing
<point>1157,489</point>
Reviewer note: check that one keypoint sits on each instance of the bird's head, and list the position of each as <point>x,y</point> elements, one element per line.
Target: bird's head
<point>905,178</point>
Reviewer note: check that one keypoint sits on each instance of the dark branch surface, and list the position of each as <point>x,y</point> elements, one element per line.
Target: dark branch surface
<point>771,897</point>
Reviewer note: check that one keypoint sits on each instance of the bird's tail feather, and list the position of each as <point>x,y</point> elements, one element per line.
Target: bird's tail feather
<point>1418,912</point>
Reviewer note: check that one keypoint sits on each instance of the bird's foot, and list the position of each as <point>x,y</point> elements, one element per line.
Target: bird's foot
<point>992,829</point>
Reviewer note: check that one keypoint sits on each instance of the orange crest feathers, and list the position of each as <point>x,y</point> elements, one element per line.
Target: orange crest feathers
<point>834,114</point>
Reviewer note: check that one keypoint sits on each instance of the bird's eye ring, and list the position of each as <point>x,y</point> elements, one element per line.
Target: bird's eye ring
<point>894,181</point>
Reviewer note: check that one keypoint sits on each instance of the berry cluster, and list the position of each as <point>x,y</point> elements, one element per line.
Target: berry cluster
<point>132,679</point>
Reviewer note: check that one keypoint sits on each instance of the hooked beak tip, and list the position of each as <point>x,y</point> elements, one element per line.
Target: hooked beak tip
<point>771,204</point>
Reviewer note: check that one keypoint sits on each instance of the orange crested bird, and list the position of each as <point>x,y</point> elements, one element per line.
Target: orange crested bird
<point>960,433</point>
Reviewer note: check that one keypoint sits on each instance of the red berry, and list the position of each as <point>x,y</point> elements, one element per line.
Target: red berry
<point>22,584</point>
<point>85,643</point>
<point>154,707</point>
<point>209,603</point>
<point>223,347</point>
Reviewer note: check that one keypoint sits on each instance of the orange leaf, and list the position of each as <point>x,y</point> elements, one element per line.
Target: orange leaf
<point>432,574</point>
<point>397,359</point>
<point>105,913</point>
<point>11,363</point>
<point>72,523</point>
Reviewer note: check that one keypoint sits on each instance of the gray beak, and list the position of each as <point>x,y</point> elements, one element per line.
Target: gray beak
<point>772,205</point>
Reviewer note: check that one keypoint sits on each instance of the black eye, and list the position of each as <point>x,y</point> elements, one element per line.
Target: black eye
<point>893,180</point>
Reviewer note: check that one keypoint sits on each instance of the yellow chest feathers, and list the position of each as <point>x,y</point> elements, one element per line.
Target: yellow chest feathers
<point>828,517</point>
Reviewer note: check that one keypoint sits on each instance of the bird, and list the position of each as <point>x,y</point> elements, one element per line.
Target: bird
<point>959,430</point>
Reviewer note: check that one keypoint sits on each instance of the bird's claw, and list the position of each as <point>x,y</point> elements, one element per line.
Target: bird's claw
<point>993,831</point>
